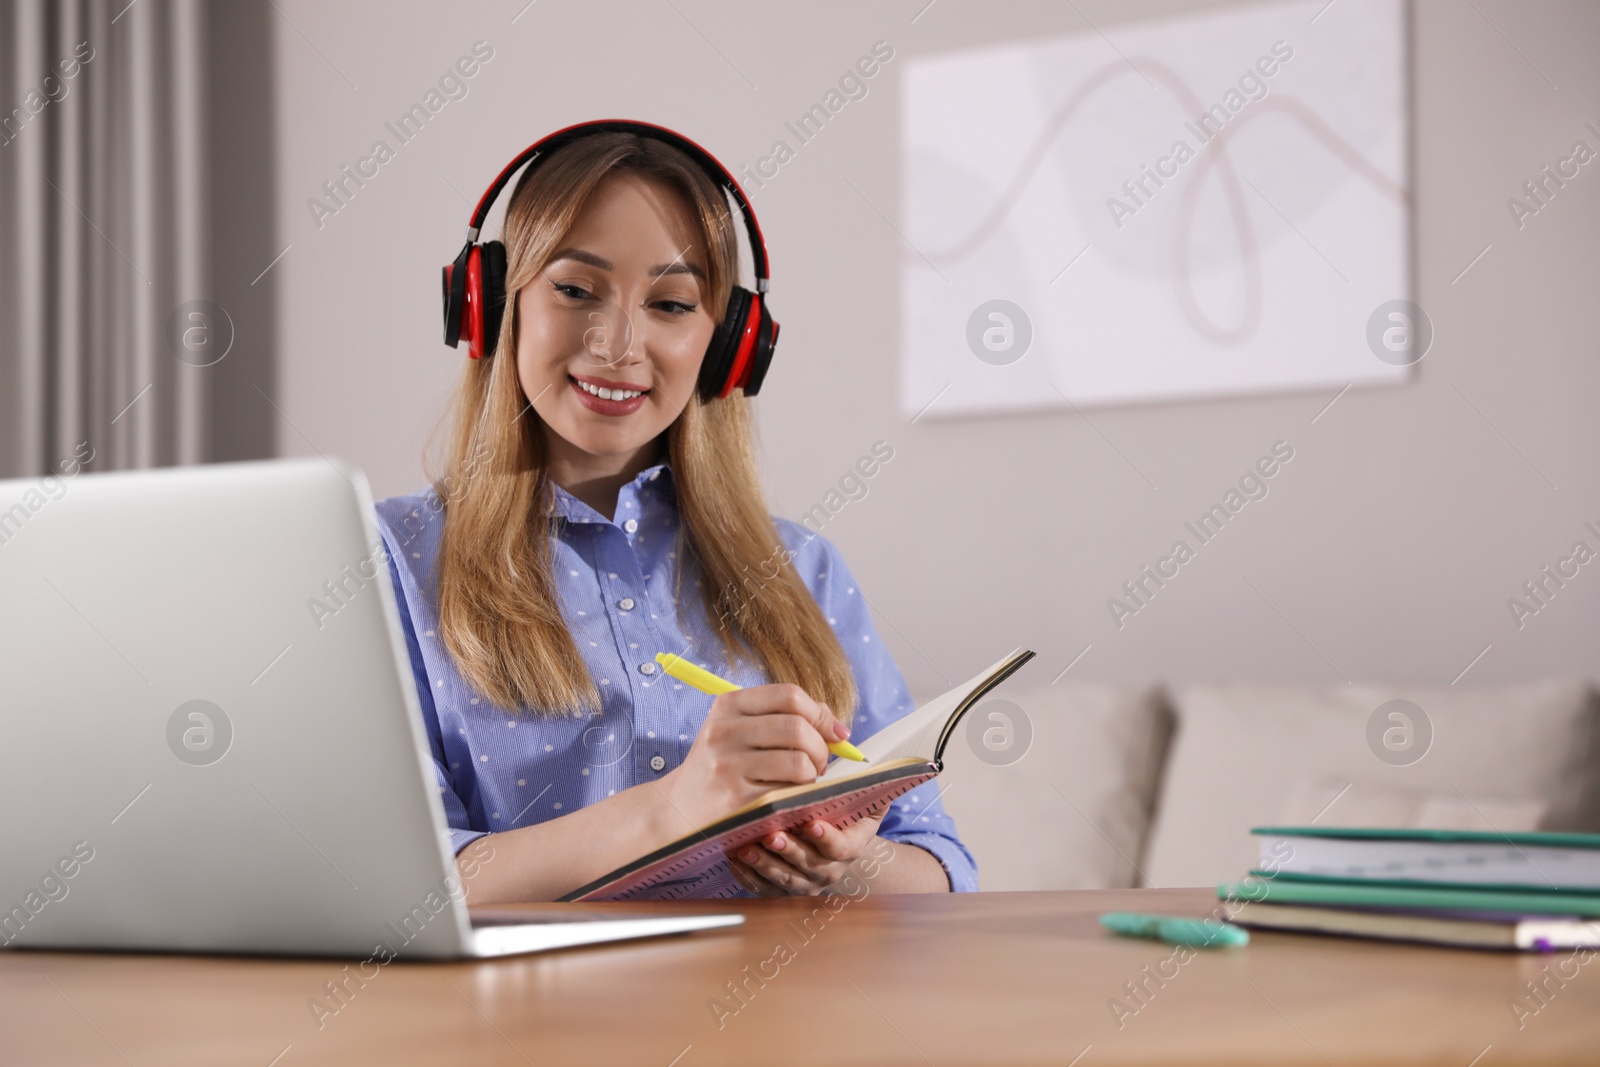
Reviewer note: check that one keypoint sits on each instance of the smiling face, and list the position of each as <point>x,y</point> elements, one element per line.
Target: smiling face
<point>621,307</point>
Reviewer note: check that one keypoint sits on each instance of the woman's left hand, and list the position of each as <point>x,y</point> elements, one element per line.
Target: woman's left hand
<point>807,862</point>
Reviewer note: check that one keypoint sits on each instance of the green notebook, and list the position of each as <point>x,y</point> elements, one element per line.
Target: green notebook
<point>1279,890</point>
<point>1480,859</point>
<point>1554,839</point>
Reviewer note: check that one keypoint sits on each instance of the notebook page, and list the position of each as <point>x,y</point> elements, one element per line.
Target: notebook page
<point>914,735</point>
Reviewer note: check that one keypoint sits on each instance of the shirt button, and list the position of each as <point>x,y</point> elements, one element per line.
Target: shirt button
<point>631,525</point>
<point>626,603</point>
<point>657,762</point>
<point>647,668</point>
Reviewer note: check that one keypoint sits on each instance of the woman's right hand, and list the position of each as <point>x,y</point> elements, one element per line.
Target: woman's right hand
<point>753,740</point>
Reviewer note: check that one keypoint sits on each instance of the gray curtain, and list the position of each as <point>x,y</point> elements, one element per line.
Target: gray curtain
<point>109,339</point>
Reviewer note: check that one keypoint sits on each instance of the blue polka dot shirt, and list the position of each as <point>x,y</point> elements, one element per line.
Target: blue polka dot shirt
<point>499,770</point>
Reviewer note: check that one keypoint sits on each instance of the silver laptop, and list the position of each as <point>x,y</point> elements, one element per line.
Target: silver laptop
<point>194,761</point>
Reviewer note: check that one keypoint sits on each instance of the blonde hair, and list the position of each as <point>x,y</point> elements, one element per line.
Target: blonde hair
<point>499,609</point>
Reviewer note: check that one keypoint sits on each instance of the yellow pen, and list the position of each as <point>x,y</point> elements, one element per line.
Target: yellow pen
<point>707,682</point>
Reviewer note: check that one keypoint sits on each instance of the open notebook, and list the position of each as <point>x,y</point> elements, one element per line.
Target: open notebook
<point>900,757</point>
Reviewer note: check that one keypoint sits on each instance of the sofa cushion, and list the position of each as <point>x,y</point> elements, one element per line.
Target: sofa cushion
<point>1073,811</point>
<point>1241,753</point>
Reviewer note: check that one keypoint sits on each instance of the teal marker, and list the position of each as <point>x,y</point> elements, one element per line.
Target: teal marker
<point>1176,929</point>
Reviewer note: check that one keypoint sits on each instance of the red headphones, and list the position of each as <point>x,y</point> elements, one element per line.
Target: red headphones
<point>475,284</point>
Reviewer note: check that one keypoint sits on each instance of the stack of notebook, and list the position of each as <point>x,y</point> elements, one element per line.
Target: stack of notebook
<point>1522,891</point>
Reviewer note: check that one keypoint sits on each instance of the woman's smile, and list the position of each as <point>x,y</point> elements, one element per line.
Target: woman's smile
<point>606,397</point>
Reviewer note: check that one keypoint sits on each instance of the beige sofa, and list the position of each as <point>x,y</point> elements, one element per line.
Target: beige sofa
<point>1078,786</point>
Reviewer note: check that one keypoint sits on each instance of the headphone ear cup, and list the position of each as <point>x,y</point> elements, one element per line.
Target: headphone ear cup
<point>455,297</point>
<point>492,271</point>
<point>761,358</point>
<point>724,346</point>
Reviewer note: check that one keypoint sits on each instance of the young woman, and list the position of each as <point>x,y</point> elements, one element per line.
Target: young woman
<point>596,509</point>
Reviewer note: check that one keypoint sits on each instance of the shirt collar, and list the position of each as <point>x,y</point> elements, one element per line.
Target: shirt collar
<point>656,479</point>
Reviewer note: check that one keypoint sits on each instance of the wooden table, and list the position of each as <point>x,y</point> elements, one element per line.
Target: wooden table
<point>990,978</point>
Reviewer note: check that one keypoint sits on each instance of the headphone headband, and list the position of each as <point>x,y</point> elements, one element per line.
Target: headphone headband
<point>714,170</point>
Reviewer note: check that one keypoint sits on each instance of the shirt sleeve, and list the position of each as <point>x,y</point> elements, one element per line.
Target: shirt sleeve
<point>455,812</point>
<point>918,817</point>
